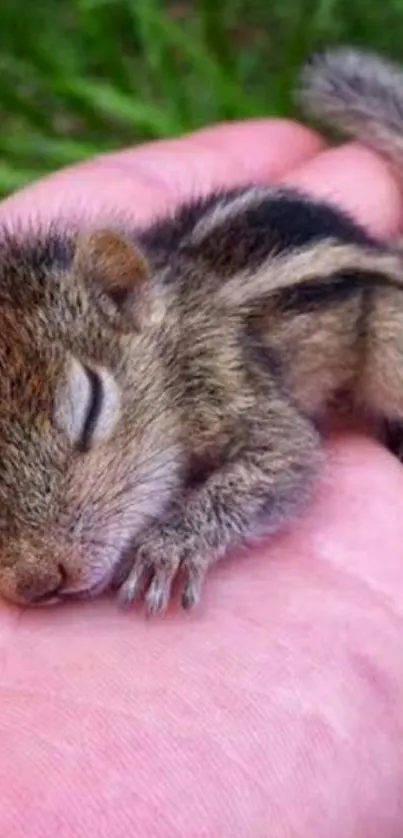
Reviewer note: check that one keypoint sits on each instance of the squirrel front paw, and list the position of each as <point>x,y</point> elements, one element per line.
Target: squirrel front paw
<point>161,556</point>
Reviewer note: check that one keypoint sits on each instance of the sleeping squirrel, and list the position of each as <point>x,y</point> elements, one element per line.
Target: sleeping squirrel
<point>162,388</point>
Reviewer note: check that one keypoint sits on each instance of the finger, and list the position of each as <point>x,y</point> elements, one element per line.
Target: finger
<point>140,182</point>
<point>356,180</point>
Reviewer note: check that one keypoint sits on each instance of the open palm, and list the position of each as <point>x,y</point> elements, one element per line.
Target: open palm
<point>276,709</point>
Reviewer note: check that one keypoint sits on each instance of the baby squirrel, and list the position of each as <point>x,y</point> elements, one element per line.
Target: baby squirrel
<point>162,390</point>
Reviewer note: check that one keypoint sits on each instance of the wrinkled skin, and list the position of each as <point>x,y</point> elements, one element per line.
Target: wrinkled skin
<point>276,709</point>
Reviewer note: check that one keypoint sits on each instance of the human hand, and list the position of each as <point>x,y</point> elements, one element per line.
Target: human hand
<point>276,708</point>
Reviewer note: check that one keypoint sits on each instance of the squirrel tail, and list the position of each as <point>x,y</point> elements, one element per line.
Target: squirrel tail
<point>359,94</point>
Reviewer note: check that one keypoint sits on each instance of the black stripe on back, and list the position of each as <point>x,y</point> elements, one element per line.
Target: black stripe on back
<point>277,223</point>
<point>335,288</point>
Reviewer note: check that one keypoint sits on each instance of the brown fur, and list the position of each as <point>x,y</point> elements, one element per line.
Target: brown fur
<point>160,391</point>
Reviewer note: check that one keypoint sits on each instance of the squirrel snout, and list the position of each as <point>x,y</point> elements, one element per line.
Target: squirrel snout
<point>41,585</point>
<point>34,572</point>
<point>44,572</point>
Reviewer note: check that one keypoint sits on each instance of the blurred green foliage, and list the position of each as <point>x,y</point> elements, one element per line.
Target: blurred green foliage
<point>78,77</point>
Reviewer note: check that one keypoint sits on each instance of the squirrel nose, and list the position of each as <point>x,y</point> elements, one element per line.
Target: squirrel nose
<point>36,588</point>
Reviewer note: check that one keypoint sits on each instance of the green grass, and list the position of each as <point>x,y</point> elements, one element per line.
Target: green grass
<point>82,76</point>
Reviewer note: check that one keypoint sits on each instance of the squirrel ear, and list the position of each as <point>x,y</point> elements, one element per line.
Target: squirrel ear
<point>117,274</point>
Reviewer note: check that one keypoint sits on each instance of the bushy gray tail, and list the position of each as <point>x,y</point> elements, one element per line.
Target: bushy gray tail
<point>359,94</point>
